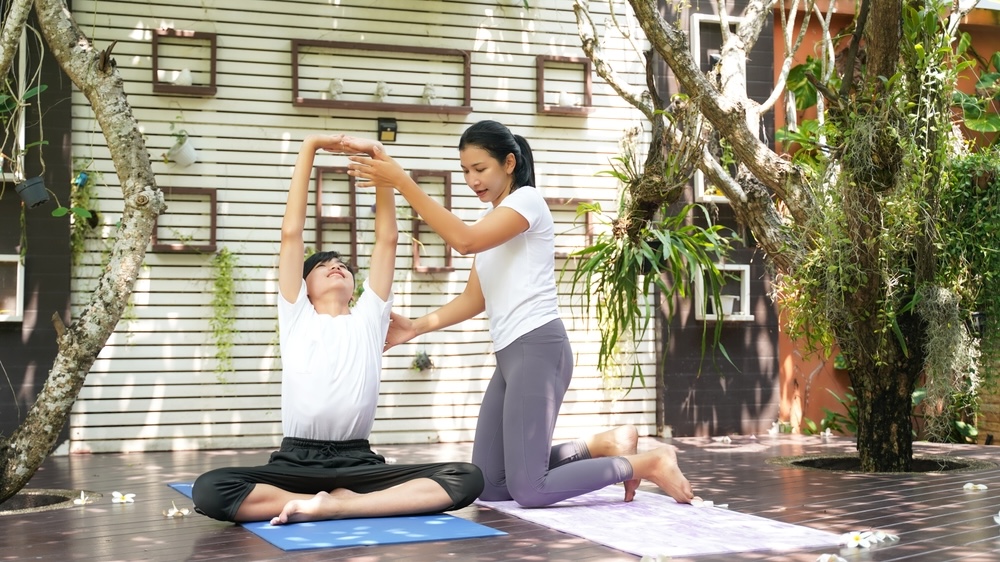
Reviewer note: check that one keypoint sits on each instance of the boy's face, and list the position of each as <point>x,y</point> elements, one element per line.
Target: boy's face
<point>332,275</point>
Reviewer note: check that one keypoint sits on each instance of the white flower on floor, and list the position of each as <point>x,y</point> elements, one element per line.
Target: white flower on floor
<point>118,497</point>
<point>865,539</point>
<point>657,558</point>
<point>775,429</point>
<point>83,499</point>
<point>975,487</point>
<point>856,539</point>
<point>997,518</point>
<point>879,536</point>
<point>174,512</point>
<point>826,434</point>
<point>830,558</point>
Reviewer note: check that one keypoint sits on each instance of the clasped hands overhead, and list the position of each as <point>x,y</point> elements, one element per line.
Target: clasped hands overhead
<point>370,165</point>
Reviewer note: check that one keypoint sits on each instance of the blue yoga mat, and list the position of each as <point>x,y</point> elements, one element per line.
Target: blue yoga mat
<point>363,532</point>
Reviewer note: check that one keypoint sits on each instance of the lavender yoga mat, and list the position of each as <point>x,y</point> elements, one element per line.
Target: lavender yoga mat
<point>656,525</point>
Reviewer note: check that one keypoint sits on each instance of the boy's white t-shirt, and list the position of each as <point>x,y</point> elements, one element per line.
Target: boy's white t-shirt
<point>518,276</point>
<point>331,366</point>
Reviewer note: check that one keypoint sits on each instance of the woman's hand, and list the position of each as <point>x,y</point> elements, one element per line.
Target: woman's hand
<point>378,171</point>
<point>401,330</point>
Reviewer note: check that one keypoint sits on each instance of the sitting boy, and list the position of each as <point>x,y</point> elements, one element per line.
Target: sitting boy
<point>331,365</point>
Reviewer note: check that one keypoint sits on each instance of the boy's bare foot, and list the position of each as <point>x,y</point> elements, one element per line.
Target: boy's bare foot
<point>618,442</point>
<point>319,507</point>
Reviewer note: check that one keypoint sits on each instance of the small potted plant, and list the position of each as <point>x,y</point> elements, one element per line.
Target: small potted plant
<point>32,191</point>
<point>422,362</point>
<point>183,152</point>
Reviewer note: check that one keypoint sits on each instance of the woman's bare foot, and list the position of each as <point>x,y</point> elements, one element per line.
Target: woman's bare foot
<point>659,466</point>
<point>321,506</point>
<point>618,442</point>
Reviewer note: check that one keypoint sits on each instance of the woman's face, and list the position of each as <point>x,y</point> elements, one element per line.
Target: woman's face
<point>489,178</point>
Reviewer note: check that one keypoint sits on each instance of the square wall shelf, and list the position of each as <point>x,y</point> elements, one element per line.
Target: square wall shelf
<point>189,224</point>
<point>563,85</point>
<point>11,288</point>
<point>343,75</point>
<point>432,243</point>
<point>736,291</point>
<point>339,213</point>
<point>575,238</point>
<point>712,196</point>
<point>184,62</point>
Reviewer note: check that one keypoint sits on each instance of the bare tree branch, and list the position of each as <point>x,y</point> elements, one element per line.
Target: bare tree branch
<point>13,26</point>
<point>729,116</point>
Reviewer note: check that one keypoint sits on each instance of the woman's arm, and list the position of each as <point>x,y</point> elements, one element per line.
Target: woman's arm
<point>462,307</point>
<point>494,229</point>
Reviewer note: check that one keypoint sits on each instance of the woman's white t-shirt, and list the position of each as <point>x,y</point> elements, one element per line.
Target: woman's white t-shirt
<point>330,367</point>
<point>518,276</point>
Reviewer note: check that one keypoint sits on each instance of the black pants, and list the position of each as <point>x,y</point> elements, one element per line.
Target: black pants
<point>305,466</point>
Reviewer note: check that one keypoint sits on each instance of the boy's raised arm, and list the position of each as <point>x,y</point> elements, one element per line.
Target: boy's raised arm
<point>292,249</point>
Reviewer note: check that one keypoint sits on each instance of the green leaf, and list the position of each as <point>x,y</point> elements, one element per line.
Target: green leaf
<point>60,212</point>
<point>989,123</point>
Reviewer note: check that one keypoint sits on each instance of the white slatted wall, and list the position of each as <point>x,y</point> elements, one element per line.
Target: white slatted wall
<point>154,387</point>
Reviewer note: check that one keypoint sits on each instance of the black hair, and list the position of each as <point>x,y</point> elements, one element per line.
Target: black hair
<point>496,139</point>
<point>323,257</point>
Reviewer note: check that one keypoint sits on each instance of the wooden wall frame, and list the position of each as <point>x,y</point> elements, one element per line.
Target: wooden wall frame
<point>588,224</point>
<point>463,56</point>
<point>162,87</point>
<point>585,107</point>
<point>14,274</point>
<point>183,248</point>
<point>418,222</point>
<point>701,297</point>
<point>351,220</point>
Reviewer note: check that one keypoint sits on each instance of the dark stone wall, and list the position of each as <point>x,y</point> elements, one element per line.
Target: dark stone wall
<point>28,348</point>
<point>702,392</point>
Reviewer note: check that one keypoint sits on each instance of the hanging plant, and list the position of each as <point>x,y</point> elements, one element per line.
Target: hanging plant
<point>422,361</point>
<point>223,321</point>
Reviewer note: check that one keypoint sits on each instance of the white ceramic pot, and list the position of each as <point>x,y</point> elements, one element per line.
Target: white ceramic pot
<point>183,154</point>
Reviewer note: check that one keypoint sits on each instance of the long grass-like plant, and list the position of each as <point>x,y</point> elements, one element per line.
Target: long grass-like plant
<point>618,273</point>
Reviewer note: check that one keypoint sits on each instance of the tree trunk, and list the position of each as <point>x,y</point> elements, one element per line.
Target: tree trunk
<point>885,425</point>
<point>95,74</point>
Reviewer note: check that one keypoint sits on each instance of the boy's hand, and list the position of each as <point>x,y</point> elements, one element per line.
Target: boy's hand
<point>329,143</point>
<point>364,146</point>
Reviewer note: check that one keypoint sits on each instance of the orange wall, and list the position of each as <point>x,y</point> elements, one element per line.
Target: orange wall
<point>804,380</point>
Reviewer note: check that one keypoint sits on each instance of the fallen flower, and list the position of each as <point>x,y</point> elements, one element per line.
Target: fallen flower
<point>118,497</point>
<point>997,518</point>
<point>830,558</point>
<point>83,499</point>
<point>879,536</point>
<point>174,512</point>
<point>975,487</point>
<point>865,539</point>
<point>856,539</point>
<point>657,558</point>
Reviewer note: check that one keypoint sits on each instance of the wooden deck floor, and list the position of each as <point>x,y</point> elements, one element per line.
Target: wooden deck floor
<point>937,520</point>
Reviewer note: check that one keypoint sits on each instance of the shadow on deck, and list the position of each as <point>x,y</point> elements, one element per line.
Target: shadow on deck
<point>935,518</point>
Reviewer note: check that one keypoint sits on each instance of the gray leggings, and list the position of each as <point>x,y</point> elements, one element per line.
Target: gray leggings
<point>513,444</point>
